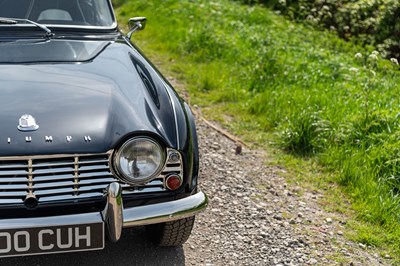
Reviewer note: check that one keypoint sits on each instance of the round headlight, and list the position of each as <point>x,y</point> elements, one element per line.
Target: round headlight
<point>139,160</point>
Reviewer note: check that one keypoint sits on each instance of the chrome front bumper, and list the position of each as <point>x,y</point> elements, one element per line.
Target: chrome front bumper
<point>116,217</point>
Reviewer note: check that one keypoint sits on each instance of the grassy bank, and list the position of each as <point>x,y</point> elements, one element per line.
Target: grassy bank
<point>271,80</point>
<point>370,22</point>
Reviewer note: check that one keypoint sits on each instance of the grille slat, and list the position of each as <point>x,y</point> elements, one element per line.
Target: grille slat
<point>67,177</point>
<point>54,185</point>
<point>155,182</point>
<point>47,165</point>
<point>13,173</point>
<point>56,191</point>
<point>13,194</point>
<point>92,168</point>
<point>48,199</point>
<point>12,180</point>
<point>96,181</point>
<point>53,178</point>
<point>21,187</point>
<point>11,201</point>
<point>53,171</point>
<point>172,169</point>
<point>91,175</point>
<point>12,165</point>
<point>85,189</point>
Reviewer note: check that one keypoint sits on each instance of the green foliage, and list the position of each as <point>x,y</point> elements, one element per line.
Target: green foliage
<point>306,87</point>
<point>373,22</point>
<point>205,43</point>
<point>118,3</point>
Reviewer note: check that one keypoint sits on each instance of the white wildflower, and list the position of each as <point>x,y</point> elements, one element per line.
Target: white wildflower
<point>326,8</point>
<point>372,72</point>
<point>346,28</point>
<point>375,53</point>
<point>358,55</point>
<point>394,61</point>
<point>282,2</point>
<point>353,69</point>
<point>373,56</point>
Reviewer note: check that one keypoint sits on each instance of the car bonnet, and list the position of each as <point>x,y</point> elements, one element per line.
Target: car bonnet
<point>85,107</point>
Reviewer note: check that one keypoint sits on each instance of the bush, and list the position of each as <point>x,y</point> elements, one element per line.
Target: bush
<point>367,22</point>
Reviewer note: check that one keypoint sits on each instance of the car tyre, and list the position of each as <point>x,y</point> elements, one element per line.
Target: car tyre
<point>170,234</point>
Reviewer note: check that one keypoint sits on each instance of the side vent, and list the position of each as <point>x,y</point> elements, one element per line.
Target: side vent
<point>146,79</point>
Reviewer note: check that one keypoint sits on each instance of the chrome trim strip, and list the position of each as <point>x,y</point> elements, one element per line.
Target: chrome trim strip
<point>36,157</point>
<point>166,211</point>
<point>30,179</point>
<point>167,88</point>
<point>76,175</point>
<point>112,27</point>
<point>65,26</point>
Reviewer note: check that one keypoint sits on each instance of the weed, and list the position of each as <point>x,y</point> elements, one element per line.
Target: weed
<point>306,134</point>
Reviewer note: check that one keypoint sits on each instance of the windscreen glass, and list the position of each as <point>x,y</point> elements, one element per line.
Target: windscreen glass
<point>97,13</point>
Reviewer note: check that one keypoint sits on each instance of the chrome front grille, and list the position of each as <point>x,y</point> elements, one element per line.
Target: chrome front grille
<point>65,177</point>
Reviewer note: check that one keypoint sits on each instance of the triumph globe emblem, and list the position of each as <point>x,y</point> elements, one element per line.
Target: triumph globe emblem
<point>27,123</point>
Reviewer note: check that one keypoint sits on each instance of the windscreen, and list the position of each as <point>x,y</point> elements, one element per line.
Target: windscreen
<point>97,13</point>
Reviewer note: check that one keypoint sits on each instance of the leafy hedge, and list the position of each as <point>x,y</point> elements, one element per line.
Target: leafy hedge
<point>367,22</point>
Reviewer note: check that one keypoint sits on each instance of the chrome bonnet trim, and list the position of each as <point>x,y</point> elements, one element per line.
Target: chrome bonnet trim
<point>167,89</point>
<point>166,211</point>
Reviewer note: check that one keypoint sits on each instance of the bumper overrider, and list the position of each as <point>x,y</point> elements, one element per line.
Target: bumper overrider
<point>113,219</point>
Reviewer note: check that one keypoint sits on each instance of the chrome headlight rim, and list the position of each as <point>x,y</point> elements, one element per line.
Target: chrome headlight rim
<point>129,180</point>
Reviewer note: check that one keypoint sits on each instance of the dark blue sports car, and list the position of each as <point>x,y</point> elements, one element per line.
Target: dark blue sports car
<point>93,139</point>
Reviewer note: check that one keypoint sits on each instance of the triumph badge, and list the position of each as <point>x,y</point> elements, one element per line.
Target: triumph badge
<point>27,123</point>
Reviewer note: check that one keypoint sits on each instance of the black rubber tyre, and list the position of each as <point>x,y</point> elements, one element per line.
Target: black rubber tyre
<point>170,234</point>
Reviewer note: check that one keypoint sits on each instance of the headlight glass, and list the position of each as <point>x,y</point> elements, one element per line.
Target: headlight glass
<point>139,160</point>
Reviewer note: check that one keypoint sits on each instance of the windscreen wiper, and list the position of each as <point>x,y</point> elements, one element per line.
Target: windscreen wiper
<point>13,21</point>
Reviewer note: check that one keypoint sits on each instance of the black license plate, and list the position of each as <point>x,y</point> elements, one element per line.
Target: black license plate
<point>51,239</point>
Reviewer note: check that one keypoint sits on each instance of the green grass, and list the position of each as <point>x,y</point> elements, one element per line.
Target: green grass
<point>286,85</point>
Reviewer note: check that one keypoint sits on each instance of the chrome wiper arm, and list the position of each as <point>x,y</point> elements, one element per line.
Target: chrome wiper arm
<point>48,33</point>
